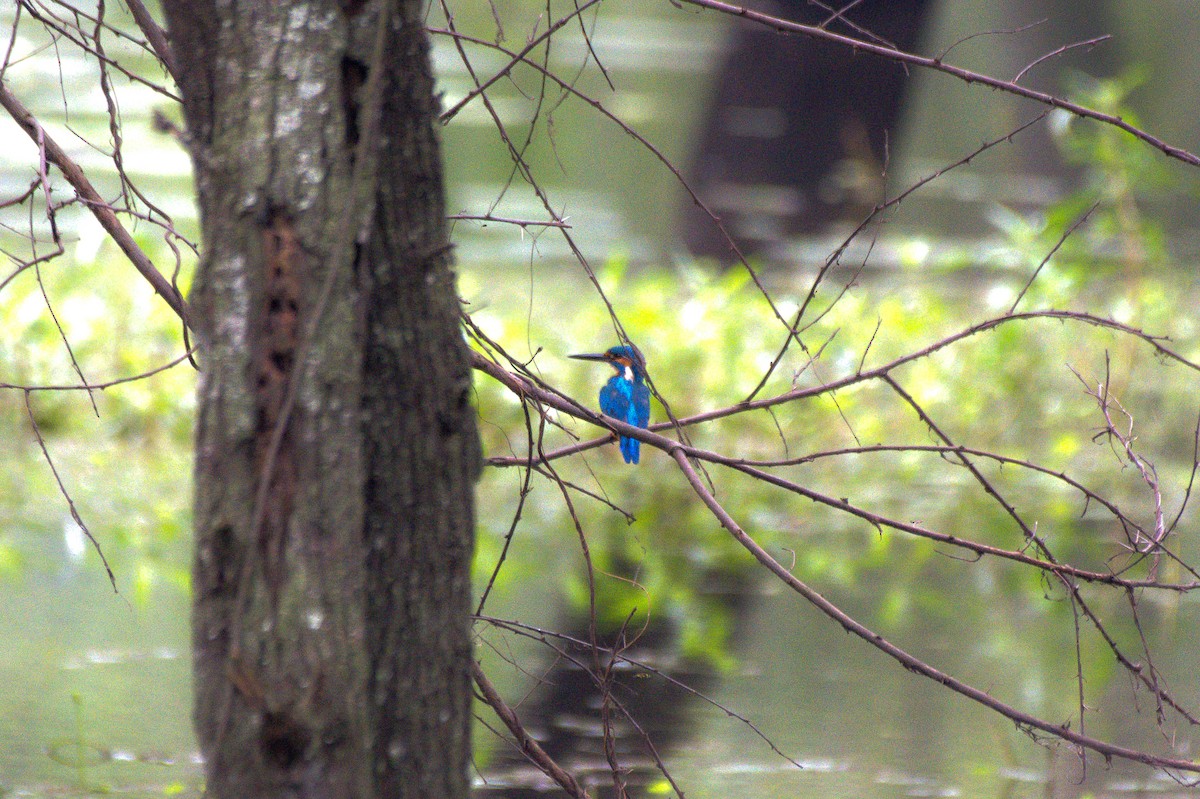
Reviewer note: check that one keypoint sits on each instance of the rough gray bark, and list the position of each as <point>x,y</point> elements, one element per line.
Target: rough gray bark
<point>331,632</point>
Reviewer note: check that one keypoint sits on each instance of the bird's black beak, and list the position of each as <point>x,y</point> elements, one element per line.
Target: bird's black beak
<point>591,356</point>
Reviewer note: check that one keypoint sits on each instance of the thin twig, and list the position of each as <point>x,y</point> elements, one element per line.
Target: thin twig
<point>37,434</point>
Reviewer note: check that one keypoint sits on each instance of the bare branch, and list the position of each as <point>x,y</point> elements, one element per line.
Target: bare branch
<point>1088,43</point>
<point>91,198</point>
<point>525,741</point>
<point>155,35</point>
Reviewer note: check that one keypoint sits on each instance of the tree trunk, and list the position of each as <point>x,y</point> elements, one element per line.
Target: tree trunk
<point>332,580</point>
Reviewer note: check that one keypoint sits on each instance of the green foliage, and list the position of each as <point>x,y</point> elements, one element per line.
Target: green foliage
<point>125,460</point>
<point>1120,180</point>
<point>116,328</point>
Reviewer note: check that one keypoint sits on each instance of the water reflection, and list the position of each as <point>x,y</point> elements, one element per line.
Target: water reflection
<point>621,705</point>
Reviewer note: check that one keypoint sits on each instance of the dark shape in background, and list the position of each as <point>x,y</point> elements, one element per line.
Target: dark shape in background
<point>796,132</point>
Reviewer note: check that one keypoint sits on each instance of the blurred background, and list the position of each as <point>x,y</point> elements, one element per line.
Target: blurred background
<point>791,144</point>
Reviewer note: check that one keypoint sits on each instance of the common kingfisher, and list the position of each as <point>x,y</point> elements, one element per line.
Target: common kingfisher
<point>625,395</point>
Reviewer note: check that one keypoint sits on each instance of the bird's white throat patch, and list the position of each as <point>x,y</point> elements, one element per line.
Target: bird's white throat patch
<point>629,373</point>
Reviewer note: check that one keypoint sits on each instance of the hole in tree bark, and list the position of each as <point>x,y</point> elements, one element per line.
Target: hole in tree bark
<point>223,556</point>
<point>354,76</point>
<point>282,740</point>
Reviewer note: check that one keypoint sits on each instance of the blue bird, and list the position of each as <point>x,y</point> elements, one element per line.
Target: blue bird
<point>625,395</point>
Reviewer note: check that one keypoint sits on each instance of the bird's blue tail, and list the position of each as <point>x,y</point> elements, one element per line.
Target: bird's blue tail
<point>630,449</point>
